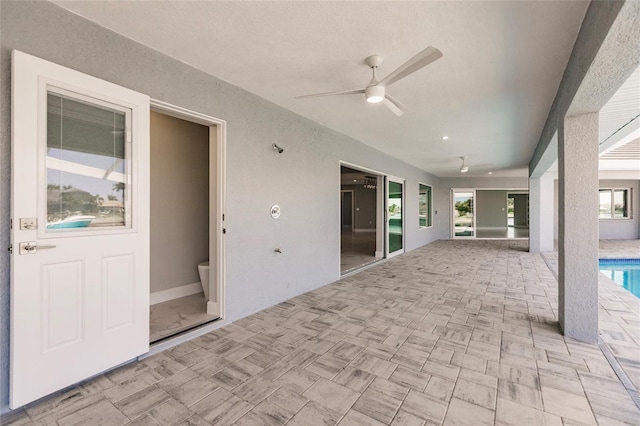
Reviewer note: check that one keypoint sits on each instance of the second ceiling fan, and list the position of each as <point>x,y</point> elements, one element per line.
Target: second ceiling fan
<point>375,91</point>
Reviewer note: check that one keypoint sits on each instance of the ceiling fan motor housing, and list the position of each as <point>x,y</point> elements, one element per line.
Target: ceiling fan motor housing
<point>374,94</point>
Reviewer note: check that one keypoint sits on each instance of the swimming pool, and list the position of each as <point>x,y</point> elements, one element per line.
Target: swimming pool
<point>625,272</point>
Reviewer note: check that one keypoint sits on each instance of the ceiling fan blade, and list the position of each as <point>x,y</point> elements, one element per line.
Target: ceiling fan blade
<point>419,61</point>
<point>341,92</point>
<point>394,105</point>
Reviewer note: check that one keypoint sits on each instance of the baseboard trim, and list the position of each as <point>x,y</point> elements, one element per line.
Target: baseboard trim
<point>174,293</point>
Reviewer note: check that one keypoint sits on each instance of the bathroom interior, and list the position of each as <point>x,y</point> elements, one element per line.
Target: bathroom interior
<point>179,226</point>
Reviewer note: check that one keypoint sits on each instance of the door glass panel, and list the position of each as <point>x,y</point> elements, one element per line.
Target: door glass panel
<point>620,203</point>
<point>463,211</point>
<point>424,206</point>
<point>605,204</point>
<point>394,207</point>
<point>86,165</point>
<point>347,212</point>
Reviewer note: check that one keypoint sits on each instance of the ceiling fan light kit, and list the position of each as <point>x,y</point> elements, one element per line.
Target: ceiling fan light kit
<point>376,89</point>
<point>374,94</point>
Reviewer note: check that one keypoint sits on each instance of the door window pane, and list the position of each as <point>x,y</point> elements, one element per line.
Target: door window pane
<point>620,208</point>
<point>424,206</point>
<point>605,204</point>
<point>394,204</point>
<point>463,211</point>
<point>86,165</point>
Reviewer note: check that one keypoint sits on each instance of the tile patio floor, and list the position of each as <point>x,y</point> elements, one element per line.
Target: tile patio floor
<point>454,333</point>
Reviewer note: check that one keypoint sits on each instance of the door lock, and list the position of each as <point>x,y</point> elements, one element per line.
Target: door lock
<point>32,247</point>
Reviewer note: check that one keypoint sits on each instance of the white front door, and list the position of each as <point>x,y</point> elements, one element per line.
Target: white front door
<point>80,227</point>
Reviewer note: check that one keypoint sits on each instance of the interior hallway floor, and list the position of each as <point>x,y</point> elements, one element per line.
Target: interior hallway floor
<point>453,333</point>
<point>508,232</point>
<point>356,250</point>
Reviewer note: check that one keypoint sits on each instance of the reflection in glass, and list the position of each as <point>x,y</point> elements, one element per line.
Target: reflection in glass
<point>605,204</point>
<point>394,204</point>
<point>86,164</point>
<point>463,214</point>
<point>424,206</point>
<point>620,203</point>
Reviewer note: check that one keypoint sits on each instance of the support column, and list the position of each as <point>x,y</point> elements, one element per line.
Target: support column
<point>578,227</point>
<point>541,206</point>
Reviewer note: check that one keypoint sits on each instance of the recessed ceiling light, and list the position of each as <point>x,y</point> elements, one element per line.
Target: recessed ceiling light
<point>355,180</point>
<point>490,173</point>
<point>444,138</point>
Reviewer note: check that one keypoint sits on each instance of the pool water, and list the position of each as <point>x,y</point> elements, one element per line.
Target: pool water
<point>625,272</point>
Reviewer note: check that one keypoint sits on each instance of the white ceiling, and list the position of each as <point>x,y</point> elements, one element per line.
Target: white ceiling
<point>490,93</point>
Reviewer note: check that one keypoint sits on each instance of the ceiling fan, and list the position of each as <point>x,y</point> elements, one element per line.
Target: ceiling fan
<point>375,91</point>
<point>464,167</point>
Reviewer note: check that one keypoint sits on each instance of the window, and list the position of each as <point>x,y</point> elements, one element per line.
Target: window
<point>615,204</point>
<point>87,163</point>
<point>424,206</point>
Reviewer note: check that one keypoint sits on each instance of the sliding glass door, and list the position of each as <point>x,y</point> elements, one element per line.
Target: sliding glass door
<point>463,217</point>
<point>394,215</point>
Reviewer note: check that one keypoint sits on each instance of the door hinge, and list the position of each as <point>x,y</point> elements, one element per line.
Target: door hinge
<point>11,223</point>
<point>222,216</point>
<point>10,249</point>
<point>224,230</point>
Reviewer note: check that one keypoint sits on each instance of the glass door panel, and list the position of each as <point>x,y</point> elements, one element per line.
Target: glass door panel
<point>395,219</point>
<point>463,214</point>
<point>86,165</point>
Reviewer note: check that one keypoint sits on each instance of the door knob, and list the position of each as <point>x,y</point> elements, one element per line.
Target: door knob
<point>32,247</point>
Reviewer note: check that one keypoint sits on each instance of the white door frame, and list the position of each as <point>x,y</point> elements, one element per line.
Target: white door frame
<point>217,198</point>
<point>403,182</point>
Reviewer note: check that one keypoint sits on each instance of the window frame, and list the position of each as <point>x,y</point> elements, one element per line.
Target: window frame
<point>429,218</point>
<point>628,202</point>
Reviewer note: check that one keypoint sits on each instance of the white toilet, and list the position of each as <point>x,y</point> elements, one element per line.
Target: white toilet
<point>203,270</point>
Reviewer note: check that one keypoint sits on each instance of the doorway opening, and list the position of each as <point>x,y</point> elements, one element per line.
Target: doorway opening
<point>463,213</point>
<point>185,289</point>
<point>361,221</point>
<point>490,213</point>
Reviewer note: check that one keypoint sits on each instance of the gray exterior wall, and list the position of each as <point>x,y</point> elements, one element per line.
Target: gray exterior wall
<point>179,201</point>
<point>612,229</point>
<point>257,177</point>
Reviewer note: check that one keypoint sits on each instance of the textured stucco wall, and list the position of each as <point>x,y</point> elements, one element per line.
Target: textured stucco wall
<point>257,177</point>
<point>543,210</point>
<point>578,227</point>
